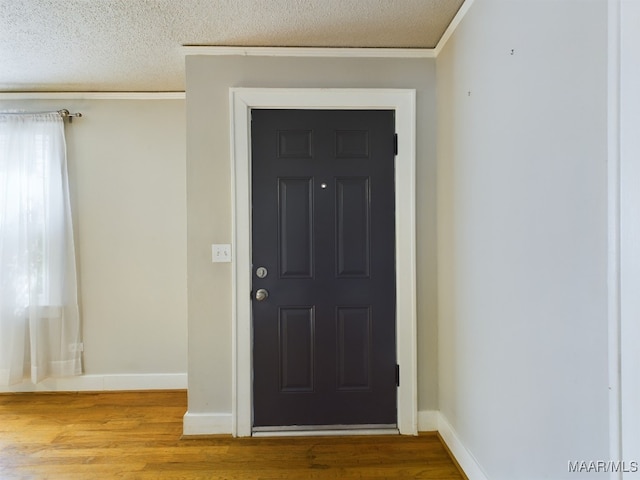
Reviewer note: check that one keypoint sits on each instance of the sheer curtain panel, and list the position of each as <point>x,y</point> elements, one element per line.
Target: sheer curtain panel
<point>39,315</point>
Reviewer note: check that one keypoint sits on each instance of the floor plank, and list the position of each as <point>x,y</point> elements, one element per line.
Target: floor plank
<point>138,435</point>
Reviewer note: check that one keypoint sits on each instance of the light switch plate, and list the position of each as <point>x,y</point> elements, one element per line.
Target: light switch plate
<point>221,253</point>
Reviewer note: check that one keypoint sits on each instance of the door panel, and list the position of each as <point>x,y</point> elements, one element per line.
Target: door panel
<point>295,227</point>
<point>296,327</point>
<point>323,228</point>
<point>352,227</point>
<point>354,348</point>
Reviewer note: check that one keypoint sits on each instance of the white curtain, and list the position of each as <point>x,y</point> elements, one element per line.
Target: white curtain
<point>39,315</point>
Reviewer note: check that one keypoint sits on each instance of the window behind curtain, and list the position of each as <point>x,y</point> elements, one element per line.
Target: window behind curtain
<point>39,317</point>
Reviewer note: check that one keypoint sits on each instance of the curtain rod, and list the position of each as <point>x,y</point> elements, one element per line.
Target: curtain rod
<point>64,113</point>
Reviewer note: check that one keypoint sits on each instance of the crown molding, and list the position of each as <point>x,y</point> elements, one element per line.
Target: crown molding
<point>309,52</point>
<point>462,11</point>
<point>92,95</point>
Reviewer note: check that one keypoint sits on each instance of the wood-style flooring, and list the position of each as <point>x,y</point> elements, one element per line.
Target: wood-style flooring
<point>138,435</point>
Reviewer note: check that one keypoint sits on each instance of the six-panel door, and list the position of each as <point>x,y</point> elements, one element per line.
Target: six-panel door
<point>323,238</point>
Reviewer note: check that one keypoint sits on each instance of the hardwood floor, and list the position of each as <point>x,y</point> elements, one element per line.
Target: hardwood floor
<point>137,435</point>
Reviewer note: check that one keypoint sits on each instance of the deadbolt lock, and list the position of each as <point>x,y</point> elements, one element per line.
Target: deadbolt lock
<point>261,272</point>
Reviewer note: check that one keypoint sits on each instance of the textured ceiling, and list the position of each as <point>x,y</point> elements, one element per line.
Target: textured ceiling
<point>135,45</point>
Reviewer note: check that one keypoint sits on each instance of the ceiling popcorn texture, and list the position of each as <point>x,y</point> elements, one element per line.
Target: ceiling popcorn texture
<point>135,45</point>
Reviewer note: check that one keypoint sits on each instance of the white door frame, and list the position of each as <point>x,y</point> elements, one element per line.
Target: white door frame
<point>242,100</point>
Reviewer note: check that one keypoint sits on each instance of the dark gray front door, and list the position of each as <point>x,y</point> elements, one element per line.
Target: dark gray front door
<point>323,241</point>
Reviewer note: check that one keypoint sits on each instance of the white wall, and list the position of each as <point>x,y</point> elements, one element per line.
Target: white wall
<point>209,206</point>
<point>630,227</point>
<point>127,174</point>
<point>522,229</point>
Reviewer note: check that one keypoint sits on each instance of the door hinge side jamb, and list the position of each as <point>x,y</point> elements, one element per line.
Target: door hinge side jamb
<point>395,144</point>
<point>397,375</point>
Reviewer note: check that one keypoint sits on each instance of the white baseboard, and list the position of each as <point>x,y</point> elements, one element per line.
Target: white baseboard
<point>221,423</point>
<point>465,459</point>
<point>427,420</point>
<point>207,423</point>
<point>99,383</point>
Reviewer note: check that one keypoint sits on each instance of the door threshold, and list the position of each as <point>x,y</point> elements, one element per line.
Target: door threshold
<point>324,430</point>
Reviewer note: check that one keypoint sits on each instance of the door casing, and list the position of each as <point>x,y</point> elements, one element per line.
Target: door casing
<point>403,101</point>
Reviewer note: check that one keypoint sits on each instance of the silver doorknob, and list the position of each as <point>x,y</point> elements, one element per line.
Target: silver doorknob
<point>262,294</point>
